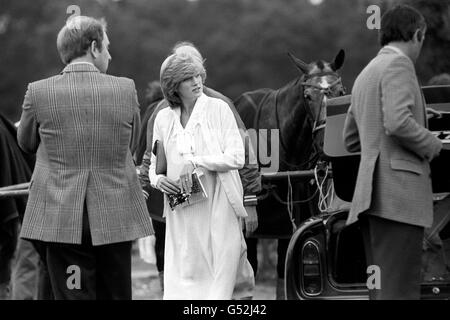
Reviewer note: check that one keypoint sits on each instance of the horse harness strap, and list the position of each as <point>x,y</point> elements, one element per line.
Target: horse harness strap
<point>258,114</point>
<point>324,90</point>
<point>282,142</point>
<point>258,108</point>
<point>277,119</point>
<point>278,125</point>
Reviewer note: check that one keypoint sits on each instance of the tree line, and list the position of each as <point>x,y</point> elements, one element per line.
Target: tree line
<point>244,41</point>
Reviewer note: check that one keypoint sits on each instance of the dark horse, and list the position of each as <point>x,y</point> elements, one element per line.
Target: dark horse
<point>297,111</point>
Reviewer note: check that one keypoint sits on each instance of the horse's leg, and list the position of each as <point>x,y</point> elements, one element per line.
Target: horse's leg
<point>44,286</point>
<point>160,236</point>
<point>281,251</point>
<point>25,276</point>
<point>252,253</point>
<point>8,238</point>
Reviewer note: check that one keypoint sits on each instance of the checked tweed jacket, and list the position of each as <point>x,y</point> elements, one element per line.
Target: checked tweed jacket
<point>387,122</point>
<point>83,126</point>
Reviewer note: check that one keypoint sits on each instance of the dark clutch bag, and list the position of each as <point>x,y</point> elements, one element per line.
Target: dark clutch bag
<point>161,161</point>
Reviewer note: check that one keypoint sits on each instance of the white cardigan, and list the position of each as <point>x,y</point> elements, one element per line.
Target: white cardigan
<point>224,145</point>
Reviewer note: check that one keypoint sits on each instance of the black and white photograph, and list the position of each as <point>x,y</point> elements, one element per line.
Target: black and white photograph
<point>237,151</point>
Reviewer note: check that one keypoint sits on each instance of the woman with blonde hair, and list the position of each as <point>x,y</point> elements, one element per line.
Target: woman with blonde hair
<point>199,134</point>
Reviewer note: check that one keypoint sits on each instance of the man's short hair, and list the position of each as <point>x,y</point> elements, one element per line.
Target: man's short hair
<point>75,38</point>
<point>178,68</point>
<point>400,23</point>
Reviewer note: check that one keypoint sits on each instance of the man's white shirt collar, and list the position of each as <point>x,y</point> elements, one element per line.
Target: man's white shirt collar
<point>82,62</point>
<point>397,50</point>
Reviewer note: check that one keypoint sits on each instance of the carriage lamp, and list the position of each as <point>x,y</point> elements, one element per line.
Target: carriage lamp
<point>311,268</point>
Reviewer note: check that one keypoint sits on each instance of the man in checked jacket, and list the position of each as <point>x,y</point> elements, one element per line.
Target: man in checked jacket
<point>387,123</point>
<point>85,203</point>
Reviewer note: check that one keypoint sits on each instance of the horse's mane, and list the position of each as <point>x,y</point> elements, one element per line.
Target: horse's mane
<point>287,88</point>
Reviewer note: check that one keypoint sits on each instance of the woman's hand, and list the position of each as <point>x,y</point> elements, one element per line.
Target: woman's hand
<point>167,186</point>
<point>186,177</point>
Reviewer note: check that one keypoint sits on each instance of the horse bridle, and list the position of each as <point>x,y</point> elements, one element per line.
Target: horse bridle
<point>323,92</point>
<point>316,126</point>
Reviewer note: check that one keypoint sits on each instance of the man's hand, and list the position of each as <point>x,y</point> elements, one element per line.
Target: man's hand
<point>167,186</point>
<point>431,113</point>
<point>437,149</point>
<point>186,177</point>
<point>251,221</point>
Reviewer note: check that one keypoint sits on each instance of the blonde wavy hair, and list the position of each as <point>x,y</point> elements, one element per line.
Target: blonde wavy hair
<point>176,69</point>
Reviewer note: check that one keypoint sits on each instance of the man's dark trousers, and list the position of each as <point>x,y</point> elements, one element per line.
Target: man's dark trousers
<point>396,248</point>
<point>105,270</point>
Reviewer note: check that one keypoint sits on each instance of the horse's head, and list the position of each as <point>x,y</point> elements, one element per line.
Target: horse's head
<point>320,81</point>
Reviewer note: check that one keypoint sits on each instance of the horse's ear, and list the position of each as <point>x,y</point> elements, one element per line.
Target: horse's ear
<point>302,66</point>
<point>338,60</point>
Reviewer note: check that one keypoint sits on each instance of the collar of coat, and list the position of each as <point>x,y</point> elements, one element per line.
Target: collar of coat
<point>80,67</point>
<point>393,49</point>
<point>184,136</point>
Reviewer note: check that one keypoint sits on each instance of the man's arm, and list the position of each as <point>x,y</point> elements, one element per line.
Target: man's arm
<point>232,157</point>
<point>136,124</point>
<point>398,86</point>
<point>27,133</point>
